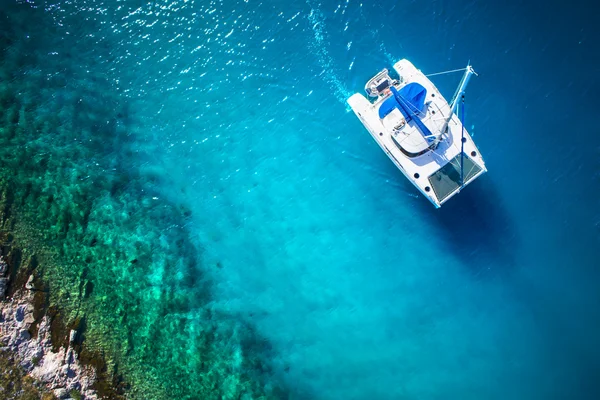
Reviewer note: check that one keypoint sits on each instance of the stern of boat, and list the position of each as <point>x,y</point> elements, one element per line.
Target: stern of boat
<point>359,104</point>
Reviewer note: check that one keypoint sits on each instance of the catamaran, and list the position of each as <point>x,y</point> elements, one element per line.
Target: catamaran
<point>420,131</point>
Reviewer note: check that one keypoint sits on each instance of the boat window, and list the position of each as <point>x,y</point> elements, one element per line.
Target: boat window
<point>383,85</point>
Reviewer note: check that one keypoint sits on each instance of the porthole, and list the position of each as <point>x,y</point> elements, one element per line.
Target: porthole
<point>473,154</point>
<point>433,111</point>
<point>380,133</point>
<point>432,94</point>
<point>416,175</point>
<point>464,140</point>
<point>427,188</point>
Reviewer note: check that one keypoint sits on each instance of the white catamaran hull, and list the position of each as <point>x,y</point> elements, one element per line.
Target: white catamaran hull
<point>432,162</point>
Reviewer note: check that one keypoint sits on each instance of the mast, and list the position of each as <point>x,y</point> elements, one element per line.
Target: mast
<point>462,87</point>
<point>460,93</point>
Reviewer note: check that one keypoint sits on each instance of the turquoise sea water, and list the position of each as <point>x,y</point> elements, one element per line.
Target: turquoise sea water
<point>228,227</point>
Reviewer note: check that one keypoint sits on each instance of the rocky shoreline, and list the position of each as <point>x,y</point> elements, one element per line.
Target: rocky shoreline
<point>27,340</point>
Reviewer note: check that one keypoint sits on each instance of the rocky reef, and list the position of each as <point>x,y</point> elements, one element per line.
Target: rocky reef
<point>27,342</point>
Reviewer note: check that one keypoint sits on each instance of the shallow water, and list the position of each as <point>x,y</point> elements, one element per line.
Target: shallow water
<point>227,226</point>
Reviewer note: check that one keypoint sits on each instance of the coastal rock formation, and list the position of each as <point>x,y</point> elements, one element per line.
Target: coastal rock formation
<point>59,371</point>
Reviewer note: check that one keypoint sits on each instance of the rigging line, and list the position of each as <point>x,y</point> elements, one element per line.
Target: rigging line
<point>462,142</point>
<point>469,173</point>
<point>447,72</point>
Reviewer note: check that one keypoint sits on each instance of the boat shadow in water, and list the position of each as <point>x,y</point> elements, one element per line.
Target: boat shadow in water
<point>478,229</point>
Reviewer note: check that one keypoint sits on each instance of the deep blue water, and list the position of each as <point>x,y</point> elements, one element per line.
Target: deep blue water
<point>362,289</point>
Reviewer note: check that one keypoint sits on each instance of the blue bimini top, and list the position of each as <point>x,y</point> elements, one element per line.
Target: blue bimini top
<point>409,100</point>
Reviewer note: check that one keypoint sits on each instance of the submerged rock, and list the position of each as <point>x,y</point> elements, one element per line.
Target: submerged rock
<point>3,287</point>
<point>3,278</point>
<point>72,336</point>
<point>3,267</point>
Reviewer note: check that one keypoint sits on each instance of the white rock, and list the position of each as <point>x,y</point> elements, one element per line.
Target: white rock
<point>49,367</point>
<point>29,284</point>
<point>72,336</point>
<point>61,393</point>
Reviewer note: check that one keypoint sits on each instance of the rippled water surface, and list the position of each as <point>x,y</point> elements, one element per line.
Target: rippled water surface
<point>198,193</point>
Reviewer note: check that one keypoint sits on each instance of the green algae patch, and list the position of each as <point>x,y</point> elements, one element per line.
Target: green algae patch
<point>83,210</point>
